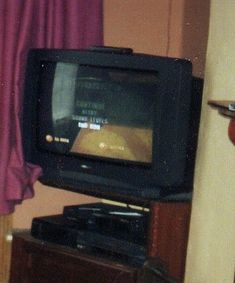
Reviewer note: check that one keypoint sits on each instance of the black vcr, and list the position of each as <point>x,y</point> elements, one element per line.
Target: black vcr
<point>101,229</point>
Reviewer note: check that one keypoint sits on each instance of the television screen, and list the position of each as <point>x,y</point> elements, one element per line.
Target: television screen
<point>117,125</point>
<point>104,113</point>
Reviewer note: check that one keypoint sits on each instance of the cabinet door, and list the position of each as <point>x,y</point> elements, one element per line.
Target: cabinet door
<point>37,262</point>
<point>52,268</point>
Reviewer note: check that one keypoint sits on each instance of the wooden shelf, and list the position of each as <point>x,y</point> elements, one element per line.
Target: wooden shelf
<point>39,261</point>
<point>224,108</point>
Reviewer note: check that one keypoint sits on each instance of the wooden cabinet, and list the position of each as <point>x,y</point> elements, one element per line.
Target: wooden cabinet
<point>168,235</point>
<point>35,261</point>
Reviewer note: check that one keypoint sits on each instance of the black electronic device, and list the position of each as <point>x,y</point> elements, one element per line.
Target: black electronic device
<point>122,222</point>
<point>111,123</point>
<point>60,230</point>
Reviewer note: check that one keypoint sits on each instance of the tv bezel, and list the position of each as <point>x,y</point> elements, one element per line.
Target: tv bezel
<point>119,181</point>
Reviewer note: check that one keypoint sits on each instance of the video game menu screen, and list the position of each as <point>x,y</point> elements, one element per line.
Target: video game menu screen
<point>97,112</point>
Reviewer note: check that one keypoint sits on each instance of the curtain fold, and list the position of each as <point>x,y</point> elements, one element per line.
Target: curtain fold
<point>33,24</point>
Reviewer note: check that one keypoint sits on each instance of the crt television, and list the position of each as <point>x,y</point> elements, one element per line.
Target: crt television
<point>110,123</point>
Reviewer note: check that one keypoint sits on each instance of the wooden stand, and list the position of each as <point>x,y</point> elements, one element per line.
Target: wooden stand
<point>37,261</point>
<point>168,235</point>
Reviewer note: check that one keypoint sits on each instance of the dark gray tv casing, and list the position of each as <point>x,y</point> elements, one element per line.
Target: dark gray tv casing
<point>176,119</point>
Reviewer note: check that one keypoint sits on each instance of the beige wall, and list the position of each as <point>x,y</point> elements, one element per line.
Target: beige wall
<point>176,28</point>
<point>152,26</point>
<point>211,251</point>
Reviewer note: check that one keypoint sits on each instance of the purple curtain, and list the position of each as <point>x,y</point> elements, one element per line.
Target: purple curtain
<point>24,25</point>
